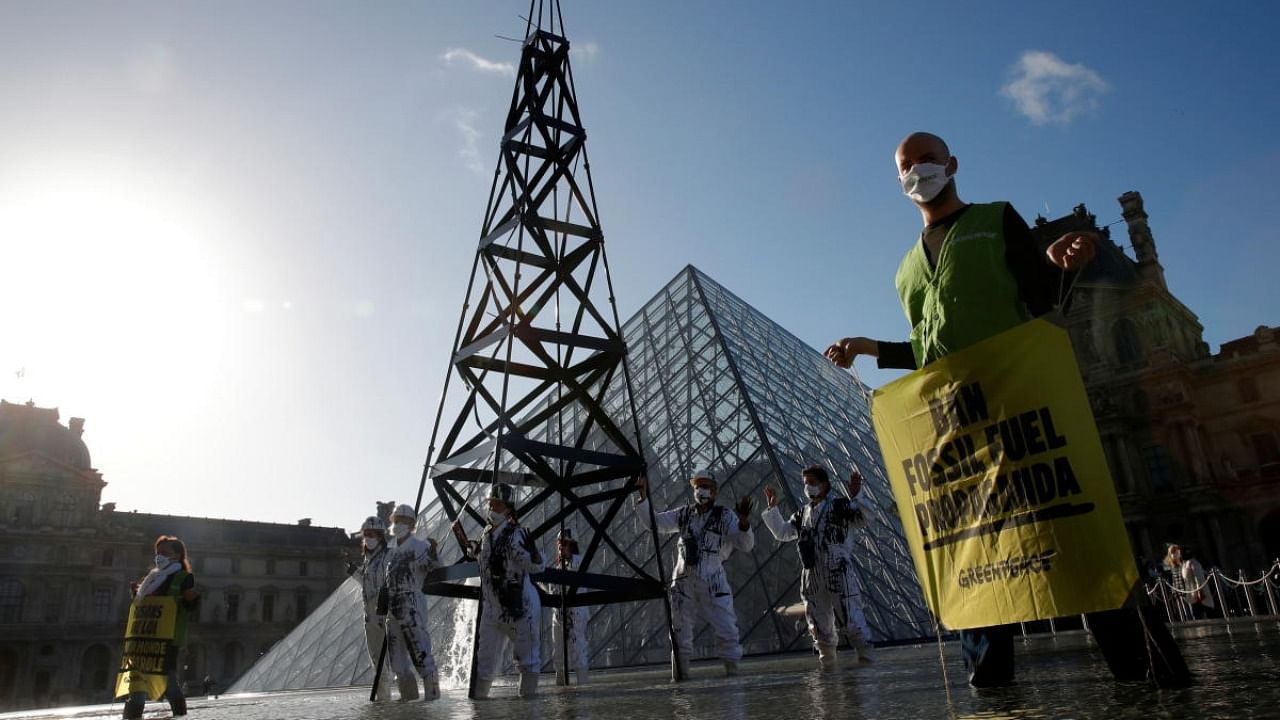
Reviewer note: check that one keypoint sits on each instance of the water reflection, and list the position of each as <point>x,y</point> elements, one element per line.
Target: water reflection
<point>1236,669</point>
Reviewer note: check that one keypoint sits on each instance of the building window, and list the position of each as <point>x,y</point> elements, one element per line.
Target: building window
<point>10,601</point>
<point>95,668</point>
<point>1156,458</point>
<point>233,607</point>
<point>108,557</point>
<point>102,605</point>
<point>24,509</point>
<point>1265,447</point>
<point>1248,387</point>
<point>1125,338</point>
<point>302,568</point>
<point>53,604</point>
<point>235,566</point>
<point>300,605</point>
<point>64,511</point>
<point>271,566</point>
<point>269,607</point>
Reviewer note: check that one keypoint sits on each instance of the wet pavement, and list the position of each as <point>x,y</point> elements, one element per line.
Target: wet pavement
<point>1237,669</point>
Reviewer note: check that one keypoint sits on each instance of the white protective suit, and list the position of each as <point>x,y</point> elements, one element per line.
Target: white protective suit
<point>372,575</point>
<point>408,644</point>
<point>511,607</point>
<point>575,619</point>
<point>699,587</point>
<point>828,585</point>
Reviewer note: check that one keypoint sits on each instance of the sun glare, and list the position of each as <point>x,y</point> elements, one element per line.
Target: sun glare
<point>107,290</point>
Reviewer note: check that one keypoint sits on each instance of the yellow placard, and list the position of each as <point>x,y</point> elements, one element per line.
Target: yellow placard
<point>1004,492</point>
<point>147,637</point>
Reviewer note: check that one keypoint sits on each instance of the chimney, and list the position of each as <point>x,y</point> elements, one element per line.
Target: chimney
<point>77,426</point>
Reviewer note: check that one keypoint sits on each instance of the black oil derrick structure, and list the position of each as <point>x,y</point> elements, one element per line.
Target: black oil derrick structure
<point>535,354</point>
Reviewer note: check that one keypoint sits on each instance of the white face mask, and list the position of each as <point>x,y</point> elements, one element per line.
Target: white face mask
<point>497,518</point>
<point>703,494</point>
<point>162,562</point>
<point>372,543</point>
<point>924,181</point>
<point>401,530</point>
<point>814,491</point>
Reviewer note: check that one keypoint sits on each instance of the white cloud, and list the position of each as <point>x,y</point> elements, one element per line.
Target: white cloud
<point>478,63</point>
<point>464,121</point>
<point>1048,90</point>
<point>586,51</point>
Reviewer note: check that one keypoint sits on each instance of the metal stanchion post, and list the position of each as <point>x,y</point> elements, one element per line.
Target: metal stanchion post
<point>1271,595</point>
<point>1053,628</point>
<point>1084,620</point>
<point>1248,596</point>
<point>1164,594</point>
<point>1217,584</point>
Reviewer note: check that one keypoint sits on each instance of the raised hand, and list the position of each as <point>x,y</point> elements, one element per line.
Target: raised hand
<point>770,496</point>
<point>855,483</point>
<point>1073,250</point>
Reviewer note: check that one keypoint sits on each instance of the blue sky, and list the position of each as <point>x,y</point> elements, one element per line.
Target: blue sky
<point>239,233</point>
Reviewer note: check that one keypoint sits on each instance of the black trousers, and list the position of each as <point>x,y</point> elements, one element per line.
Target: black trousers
<point>1134,641</point>
<point>135,703</point>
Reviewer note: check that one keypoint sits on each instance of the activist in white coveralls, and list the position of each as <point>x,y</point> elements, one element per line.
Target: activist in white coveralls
<point>372,574</point>
<point>510,605</point>
<point>573,619</point>
<point>409,559</point>
<point>709,533</point>
<point>828,585</point>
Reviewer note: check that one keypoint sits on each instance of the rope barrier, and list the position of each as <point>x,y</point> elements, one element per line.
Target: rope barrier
<point>1216,576</point>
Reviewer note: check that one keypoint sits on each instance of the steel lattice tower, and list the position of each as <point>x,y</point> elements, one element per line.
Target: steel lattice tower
<point>536,355</point>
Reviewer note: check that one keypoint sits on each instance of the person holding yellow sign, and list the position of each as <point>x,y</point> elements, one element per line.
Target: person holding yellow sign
<point>971,477</point>
<point>157,630</point>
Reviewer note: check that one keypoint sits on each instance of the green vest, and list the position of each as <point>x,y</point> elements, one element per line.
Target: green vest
<point>180,622</point>
<point>969,296</point>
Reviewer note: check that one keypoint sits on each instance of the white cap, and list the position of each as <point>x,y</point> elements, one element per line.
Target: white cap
<point>405,511</point>
<point>703,474</point>
<point>373,522</point>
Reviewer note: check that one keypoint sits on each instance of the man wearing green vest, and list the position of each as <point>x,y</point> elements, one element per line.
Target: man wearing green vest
<point>974,272</point>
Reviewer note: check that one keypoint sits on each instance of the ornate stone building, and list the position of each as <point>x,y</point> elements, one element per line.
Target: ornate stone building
<point>1191,436</point>
<point>66,565</point>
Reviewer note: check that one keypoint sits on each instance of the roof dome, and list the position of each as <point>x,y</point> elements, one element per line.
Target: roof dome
<point>26,428</point>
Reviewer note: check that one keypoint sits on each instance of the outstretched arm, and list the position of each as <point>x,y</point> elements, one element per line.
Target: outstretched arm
<point>888,355</point>
<point>782,530</point>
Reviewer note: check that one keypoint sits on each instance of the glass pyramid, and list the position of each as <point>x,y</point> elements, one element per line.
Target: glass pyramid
<point>719,385</point>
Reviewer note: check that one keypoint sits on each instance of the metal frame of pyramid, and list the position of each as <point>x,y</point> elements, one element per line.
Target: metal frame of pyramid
<point>532,347</point>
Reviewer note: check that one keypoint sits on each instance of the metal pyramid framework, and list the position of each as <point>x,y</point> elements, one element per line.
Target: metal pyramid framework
<point>716,384</point>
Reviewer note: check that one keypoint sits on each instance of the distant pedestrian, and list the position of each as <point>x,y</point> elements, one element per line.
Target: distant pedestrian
<point>700,590</point>
<point>409,559</point>
<point>823,530</point>
<point>170,577</point>
<point>512,610</point>
<point>372,574</point>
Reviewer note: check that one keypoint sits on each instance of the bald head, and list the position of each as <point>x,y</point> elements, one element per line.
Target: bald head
<point>921,147</point>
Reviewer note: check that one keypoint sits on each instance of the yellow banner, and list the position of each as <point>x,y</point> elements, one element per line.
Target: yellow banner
<point>147,637</point>
<point>1002,485</point>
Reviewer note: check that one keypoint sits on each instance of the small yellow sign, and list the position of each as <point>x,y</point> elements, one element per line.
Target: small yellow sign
<point>147,638</point>
<point>1003,488</point>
